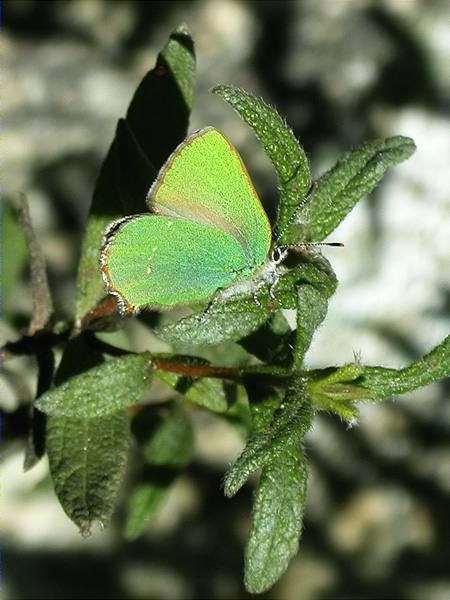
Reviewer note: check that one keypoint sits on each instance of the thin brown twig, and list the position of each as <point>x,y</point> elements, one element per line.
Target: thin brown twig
<point>40,291</point>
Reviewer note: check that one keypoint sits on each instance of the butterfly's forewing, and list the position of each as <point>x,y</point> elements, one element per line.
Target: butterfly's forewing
<point>160,260</point>
<point>205,181</point>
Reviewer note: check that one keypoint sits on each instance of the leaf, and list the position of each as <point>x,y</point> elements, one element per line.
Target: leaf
<point>339,389</point>
<point>337,191</point>
<point>269,342</point>
<point>87,459</point>
<point>165,440</point>
<point>278,500</point>
<point>280,145</point>
<point>220,322</point>
<point>311,311</point>
<point>278,506</point>
<point>86,456</point>
<point>101,390</point>
<point>159,111</point>
<point>209,392</point>
<point>143,503</point>
<point>164,435</point>
<point>379,382</point>
<point>156,122</point>
<point>237,316</point>
<point>13,253</point>
<point>290,422</point>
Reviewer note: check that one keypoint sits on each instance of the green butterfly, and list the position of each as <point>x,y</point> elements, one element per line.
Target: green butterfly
<point>207,230</point>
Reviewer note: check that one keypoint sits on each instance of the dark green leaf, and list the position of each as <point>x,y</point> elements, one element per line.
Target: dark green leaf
<point>159,111</point>
<point>205,391</point>
<point>337,191</point>
<point>311,311</point>
<point>156,122</point>
<point>290,422</point>
<point>280,145</point>
<point>143,503</point>
<point>269,342</point>
<point>165,439</point>
<point>380,382</point>
<point>101,390</point>
<point>87,458</point>
<point>278,505</point>
<point>164,435</point>
<point>237,316</point>
<point>222,321</point>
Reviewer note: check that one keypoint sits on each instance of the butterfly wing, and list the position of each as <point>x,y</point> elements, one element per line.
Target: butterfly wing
<point>205,181</point>
<point>160,260</point>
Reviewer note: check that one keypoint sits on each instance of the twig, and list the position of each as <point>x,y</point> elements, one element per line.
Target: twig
<point>40,291</point>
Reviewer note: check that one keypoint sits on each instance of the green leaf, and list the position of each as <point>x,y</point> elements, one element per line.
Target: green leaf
<point>278,506</point>
<point>290,422</point>
<point>222,321</point>
<point>337,191</point>
<point>13,255</point>
<point>379,382</point>
<point>159,111</point>
<point>269,342</point>
<point>279,498</point>
<point>339,389</point>
<point>143,503</point>
<point>209,392</point>
<point>311,311</point>
<point>164,435</point>
<point>280,145</point>
<point>237,316</point>
<point>87,459</point>
<point>101,390</point>
<point>156,122</point>
<point>134,172</point>
<point>165,440</point>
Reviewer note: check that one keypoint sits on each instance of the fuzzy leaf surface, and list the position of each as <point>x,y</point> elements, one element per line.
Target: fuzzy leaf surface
<point>238,316</point>
<point>280,145</point>
<point>87,459</point>
<point>204,391</point>
<point>278,506</point>
<point>290,422</point>
<point>101,390</point>
<point>337,191</point>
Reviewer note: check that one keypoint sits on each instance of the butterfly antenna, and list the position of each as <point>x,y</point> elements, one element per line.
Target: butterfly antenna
<point>301,203</point>
<point>303,244</point>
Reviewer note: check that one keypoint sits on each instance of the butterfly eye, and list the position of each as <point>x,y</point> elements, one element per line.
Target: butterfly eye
<point>278,255</point>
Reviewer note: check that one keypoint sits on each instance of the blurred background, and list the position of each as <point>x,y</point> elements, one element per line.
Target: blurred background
<point>341,73</point>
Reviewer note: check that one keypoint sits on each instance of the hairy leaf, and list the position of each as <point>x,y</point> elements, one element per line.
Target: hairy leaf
<point>204,391</point>
<point>278,506</point>
<point>380,382</point>
<point>87,458</point>
<point>101,390</point>
<point>290,422</point>
<point>280,145</point>
<point>239,315</point>
<point>337,191</point>
<point>311,311</point>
